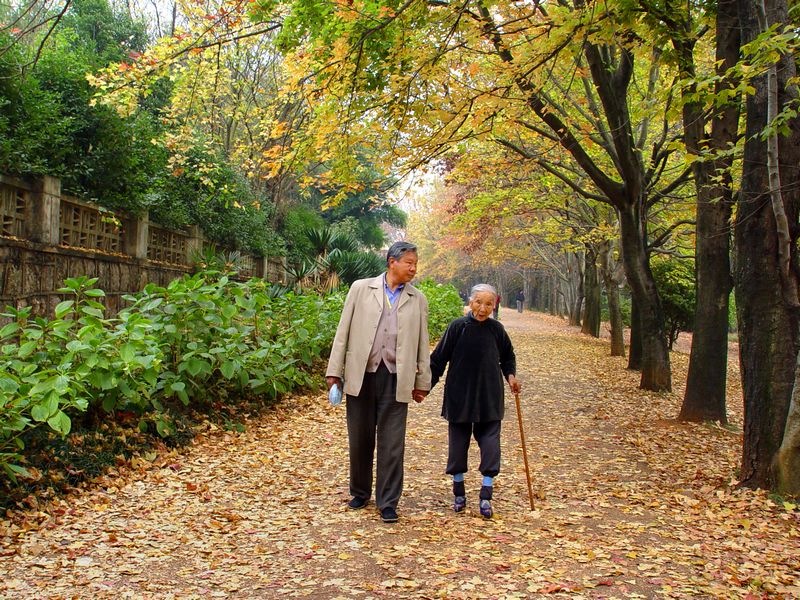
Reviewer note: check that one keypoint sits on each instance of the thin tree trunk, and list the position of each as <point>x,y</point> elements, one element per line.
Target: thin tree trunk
<point>615,317</point>
<point>635,350</point>
<point>612,294</point>
<point>575,284</point>
<point>591,287</point>
<point>174,21</point>
<point>788,462</point>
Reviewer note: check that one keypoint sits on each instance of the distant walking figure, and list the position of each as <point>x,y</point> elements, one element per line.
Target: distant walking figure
<point>481,355</point>
<point>520,301</point>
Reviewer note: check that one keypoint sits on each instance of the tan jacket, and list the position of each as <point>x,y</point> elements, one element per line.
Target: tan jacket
<point>356,332</point>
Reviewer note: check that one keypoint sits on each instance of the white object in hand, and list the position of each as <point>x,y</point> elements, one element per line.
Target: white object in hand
<point>335,395</point>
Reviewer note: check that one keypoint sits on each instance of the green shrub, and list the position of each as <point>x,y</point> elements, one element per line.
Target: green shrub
<point>675,281</point>
<point>733,324</point>
<point>624,307</point>
<point>202,339</point>
<point>444,305</point>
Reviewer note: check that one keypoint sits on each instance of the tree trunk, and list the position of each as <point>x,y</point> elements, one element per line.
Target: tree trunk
<point>767,338</point>
<point>705,396</point>
<point>768,325</point>
<point>612,294</point>
<point>591,287</point>
<point>575,285</point>
<point>635,354</point>
<point>656,372</point>
<point>615,316</point>
<point>788,462</point>
<point>174,20</point>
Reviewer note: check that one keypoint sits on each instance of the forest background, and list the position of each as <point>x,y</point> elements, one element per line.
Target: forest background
<point>631,155</point>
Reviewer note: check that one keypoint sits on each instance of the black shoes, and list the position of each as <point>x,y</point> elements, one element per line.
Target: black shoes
<point>485,504</point>
<point>460,496</point>
<point>388,515</point>
<point>357,503</point>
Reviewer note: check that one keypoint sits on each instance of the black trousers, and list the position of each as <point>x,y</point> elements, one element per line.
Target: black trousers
<point>488,437</point>
<point>375,414</point>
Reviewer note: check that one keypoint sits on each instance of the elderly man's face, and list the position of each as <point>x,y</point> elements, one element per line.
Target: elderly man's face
<point>482,305</point>
<point>403,269</point>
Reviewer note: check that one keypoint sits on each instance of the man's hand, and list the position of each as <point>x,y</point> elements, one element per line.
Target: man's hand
<point>331,381</point>
<point>419,395</point>
<point>516,386</point>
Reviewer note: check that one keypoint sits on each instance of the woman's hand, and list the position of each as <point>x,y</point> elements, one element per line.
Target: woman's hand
<point>516,386</point>
<point>331,381</point>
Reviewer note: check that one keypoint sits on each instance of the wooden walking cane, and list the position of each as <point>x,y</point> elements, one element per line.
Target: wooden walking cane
<point>524,448</point>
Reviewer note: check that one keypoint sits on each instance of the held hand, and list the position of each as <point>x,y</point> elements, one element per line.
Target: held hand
<point>331,381</point>
<point>419,395</point>
<point>516,386</point>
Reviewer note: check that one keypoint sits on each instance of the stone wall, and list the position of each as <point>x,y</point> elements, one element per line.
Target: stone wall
<point>46,237</point>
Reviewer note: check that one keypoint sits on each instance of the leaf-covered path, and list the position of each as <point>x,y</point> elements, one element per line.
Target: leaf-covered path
<point>630,504</point>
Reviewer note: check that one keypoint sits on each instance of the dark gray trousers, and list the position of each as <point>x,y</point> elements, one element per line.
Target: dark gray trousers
<point>375,412</point>
<point>488,437</point>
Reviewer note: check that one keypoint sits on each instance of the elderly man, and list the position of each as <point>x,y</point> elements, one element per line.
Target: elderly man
<point>381,351</point>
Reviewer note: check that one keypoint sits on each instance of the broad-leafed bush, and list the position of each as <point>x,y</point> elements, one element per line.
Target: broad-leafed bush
<point>203,339</point>
<point>444,305</point>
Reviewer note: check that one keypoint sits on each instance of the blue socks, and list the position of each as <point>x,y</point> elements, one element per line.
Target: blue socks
<point>458,478</point>
<point>487,481</point>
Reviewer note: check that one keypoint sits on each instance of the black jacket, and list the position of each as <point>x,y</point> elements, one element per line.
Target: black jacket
<point>480,356</point>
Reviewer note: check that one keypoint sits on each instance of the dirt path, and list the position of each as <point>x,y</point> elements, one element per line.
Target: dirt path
<point>631,505</point>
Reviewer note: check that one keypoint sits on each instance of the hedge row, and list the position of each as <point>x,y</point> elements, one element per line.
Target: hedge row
<point>201,338</point>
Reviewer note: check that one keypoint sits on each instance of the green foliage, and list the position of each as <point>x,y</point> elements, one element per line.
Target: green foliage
<point>47,125</point>
<point>199,340</point>
<point>333,259</point>
<point>208,192</point>
<point>298,220</point>
<point>50,125</point>
<point>107,34</point>
<point>624,308</point>
<point>31,123</point>
<point>675,281</point>
<point>361,215</point>
<point>444,305</point>
<point>352,265</point>
<point>733,324</point>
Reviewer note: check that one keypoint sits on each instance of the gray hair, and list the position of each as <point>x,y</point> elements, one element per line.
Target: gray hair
<point>398,249</point>
<point>481,287</point>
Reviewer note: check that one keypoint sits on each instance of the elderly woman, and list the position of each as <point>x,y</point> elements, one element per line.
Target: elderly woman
<point>481,356</point>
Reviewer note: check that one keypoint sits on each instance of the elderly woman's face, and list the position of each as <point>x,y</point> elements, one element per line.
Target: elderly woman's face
<point>482,305</point>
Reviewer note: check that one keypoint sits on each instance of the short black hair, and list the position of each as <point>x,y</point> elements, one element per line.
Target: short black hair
<point>398,249</point>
